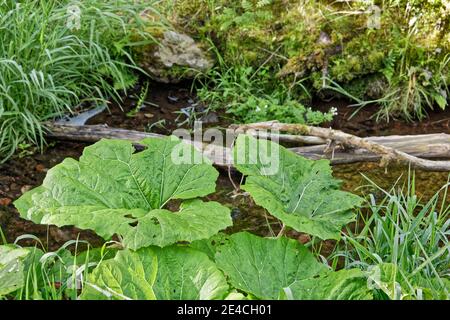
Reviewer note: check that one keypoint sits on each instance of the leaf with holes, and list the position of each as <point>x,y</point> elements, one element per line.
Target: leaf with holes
<point>282,268</point>
<point>170,273</point>
<point>301,193</point>
<point>264,266</point>
<point>113,190</point>
<point>341,285</point>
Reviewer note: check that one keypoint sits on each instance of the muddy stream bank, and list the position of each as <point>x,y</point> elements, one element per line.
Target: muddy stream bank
<point>164,108</point>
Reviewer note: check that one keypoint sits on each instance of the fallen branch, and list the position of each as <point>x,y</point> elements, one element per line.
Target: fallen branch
<point>386,153</point>
<point>220,156</point>
<point>425,146</point>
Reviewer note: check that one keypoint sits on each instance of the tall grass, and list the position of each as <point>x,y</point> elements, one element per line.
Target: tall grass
<point>405,239</point>
<point>49,67</point>
<point>59,274</point>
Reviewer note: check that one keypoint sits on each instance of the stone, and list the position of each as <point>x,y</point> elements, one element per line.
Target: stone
<point>176,57</point>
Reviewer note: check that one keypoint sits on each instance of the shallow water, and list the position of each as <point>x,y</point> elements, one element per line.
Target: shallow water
<point>19,175</point>
<point>163,105</point>
<point>250,217</point>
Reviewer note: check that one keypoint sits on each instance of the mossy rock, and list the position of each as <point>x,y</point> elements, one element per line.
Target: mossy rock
<point>342,41</point>
<point>173,55</point>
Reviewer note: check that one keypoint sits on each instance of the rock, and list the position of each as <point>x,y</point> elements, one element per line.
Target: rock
<point>304,238</point>
<point>176,57</point>
<point>5,201</point>
<point>41,168</point>
<point>25,188</point>
<point>210,118</point>
<point>236,213</point>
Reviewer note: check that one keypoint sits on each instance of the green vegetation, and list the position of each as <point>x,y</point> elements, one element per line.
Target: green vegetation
<point>250,95</point>
<point>272,57</point>
<point>391,52</point>
<point>403,242</point>
<point>33,273</point>
<point>133,196</point>
<point>161,255</point>
<point>163,237</point>
<point>302,193</point>
<point>50,64</point>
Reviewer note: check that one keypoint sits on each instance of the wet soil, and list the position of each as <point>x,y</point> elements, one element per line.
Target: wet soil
<point>165,108</point>
<point>171,107</point>
<point>364,122</point>
<point>168,107</point>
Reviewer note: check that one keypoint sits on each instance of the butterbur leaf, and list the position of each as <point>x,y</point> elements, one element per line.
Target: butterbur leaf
<point>340,285</point>
<point>113,190</point>
<point>170,273</point>
<point>209,245</point>
<point>11,269</point>
<point>264,266</point>
<point>25,202</point>
<point>301,193</point>
<point>195,220</point>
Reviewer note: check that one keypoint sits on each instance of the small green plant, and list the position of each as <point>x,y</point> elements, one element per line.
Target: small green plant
<point>256,109</point>
<point>24,150</point>
<point>161,124</point>
<point>250,95</point>
<point>33,273</point>
<point>141,101</point>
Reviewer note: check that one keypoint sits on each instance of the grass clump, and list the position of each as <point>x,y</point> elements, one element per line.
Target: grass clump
<point>403,243</point>
<point>56,56</point>
<point>53,275</point>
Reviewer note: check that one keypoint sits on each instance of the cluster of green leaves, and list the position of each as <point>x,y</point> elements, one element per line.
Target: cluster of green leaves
<point>181,255</point>
<point>51,62</point>
<point>249,95</point>
<point>256,109</point>
<point>32,273</point>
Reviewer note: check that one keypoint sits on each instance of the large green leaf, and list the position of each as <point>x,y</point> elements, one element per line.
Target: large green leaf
<point>340,285</point>
<point>11,269</point>
<point>153,273</point>
<point>113,190</point>
<point>301,193</point>
<point>264,266</point>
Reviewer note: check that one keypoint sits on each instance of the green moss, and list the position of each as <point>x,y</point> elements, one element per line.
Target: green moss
<point>316,39</point>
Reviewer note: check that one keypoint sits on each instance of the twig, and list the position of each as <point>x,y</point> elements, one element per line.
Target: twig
<point>282,231</point>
